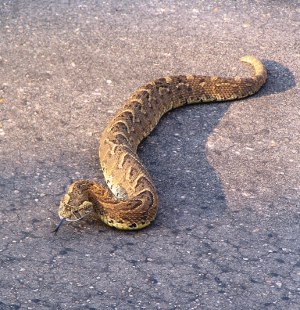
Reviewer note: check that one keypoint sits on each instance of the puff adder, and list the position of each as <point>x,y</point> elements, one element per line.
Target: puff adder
<point>129,199</point>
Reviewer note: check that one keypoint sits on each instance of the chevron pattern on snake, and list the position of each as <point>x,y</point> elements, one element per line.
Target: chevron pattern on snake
<point>128,200</point>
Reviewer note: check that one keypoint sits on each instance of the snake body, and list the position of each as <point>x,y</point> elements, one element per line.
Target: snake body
<point>129,199</point>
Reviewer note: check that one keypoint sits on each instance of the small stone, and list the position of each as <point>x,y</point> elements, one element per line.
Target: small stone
<point>279,284</point>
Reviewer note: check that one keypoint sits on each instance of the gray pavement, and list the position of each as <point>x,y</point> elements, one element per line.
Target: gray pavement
<point>227,234</point>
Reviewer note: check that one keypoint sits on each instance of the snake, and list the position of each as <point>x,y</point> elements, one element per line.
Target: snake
<point>128,199</point>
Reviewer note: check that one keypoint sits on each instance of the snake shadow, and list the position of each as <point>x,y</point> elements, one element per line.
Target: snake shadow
<point>174,154</point>
<point>280,79</point>
<point>189,189</point>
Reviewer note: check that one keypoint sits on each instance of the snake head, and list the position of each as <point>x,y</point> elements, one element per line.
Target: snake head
<point>75,204</point>
<point>73,213</point>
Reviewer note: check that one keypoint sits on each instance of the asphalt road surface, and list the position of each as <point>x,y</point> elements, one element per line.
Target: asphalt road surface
<point>227,233</point>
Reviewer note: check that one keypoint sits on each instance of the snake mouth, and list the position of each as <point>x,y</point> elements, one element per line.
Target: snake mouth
<point>70,220</point>
<point>75,216</point>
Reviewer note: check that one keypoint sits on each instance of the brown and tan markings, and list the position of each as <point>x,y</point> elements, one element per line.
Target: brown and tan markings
<point>129,199</point>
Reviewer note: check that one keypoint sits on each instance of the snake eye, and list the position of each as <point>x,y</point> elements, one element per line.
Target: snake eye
<point>76,214</point>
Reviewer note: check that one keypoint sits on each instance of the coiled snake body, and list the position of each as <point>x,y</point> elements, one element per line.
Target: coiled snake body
<point>129,199</point>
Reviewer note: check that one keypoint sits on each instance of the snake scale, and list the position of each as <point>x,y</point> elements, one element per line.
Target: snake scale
<point>129,199</point>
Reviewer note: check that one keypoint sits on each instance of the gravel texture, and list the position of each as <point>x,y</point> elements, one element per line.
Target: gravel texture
<point>227,235</point>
